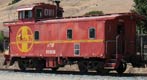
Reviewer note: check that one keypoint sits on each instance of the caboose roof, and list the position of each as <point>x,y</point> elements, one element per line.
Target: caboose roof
<point>81,18</point>
<point>26,7</point>
<point>32,6</point>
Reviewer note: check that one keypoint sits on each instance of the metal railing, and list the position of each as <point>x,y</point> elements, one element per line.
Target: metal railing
<point>116,44</point>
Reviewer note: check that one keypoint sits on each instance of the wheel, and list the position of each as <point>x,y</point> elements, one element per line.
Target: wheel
<point>82,67</point>
<point>22,64</point>
<point>54,69</point>
<point>121,68</point>
<point>100,69</point>
<point>39,65</point>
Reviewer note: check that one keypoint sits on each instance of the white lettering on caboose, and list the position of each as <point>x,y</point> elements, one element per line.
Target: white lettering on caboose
<point>49,12</point>
<point>50,51</point>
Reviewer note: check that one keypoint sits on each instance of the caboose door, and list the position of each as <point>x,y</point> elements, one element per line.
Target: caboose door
<point>120,47</point>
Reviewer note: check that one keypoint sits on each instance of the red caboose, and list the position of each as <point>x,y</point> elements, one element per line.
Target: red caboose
<point>101,43</point>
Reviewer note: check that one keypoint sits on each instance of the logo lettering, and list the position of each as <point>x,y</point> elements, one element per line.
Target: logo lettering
<point>24,39</point>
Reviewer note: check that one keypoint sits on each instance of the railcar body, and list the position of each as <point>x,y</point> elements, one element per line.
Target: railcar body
<point>101,43</point>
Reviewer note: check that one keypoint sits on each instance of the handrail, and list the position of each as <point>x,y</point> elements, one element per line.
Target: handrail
<point>113,41</point>
<point>117,37</point>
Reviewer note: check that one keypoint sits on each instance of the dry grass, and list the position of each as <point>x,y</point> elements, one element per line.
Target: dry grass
<point>71,7</point>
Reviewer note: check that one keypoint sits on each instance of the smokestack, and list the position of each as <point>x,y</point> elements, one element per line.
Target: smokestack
<point>59,12</point>
<point>57,3</point>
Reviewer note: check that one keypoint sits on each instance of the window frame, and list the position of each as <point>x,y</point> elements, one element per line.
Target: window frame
<point>29,14</point>
<point>22,14</point>
<point>68,38</point>
<point>76,49</point>
<point>89,35</point>
<point>38,37</point>
<point>36,14</point>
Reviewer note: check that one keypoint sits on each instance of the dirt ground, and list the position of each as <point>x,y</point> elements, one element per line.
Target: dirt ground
<point>1,60</point>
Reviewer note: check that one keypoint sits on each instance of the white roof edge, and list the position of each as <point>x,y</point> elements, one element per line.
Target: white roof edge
<point>22,9</point>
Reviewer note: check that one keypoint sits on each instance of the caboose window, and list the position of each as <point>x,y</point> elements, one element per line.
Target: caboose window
<point>92,33</point>
<point>69,34</point>
<point>36,35</point>
<point>28,14</point>
<point>21,15</point>
<point>76,49</point>
<point>25,14</point>
<point>38,13</point>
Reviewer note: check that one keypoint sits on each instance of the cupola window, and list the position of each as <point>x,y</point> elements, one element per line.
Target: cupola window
<point>25,14</point>
<point>39,13</point>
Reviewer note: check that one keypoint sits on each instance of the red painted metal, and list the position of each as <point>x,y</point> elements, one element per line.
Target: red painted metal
<point>53,36</point>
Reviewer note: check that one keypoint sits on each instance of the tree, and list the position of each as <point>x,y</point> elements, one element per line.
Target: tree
<point>141,8</point>
<point>13,2</point>
<point>1,41</point>
<point>94,13</point>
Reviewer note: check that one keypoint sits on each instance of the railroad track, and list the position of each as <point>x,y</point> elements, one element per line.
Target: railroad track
<point>74,73</point>
<point>7,69</point>
<point>63,72</point>
<point>49,71</point>
<point>66,72</point>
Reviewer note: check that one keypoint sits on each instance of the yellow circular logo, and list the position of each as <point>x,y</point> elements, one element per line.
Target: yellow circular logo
<point>24,39</point>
